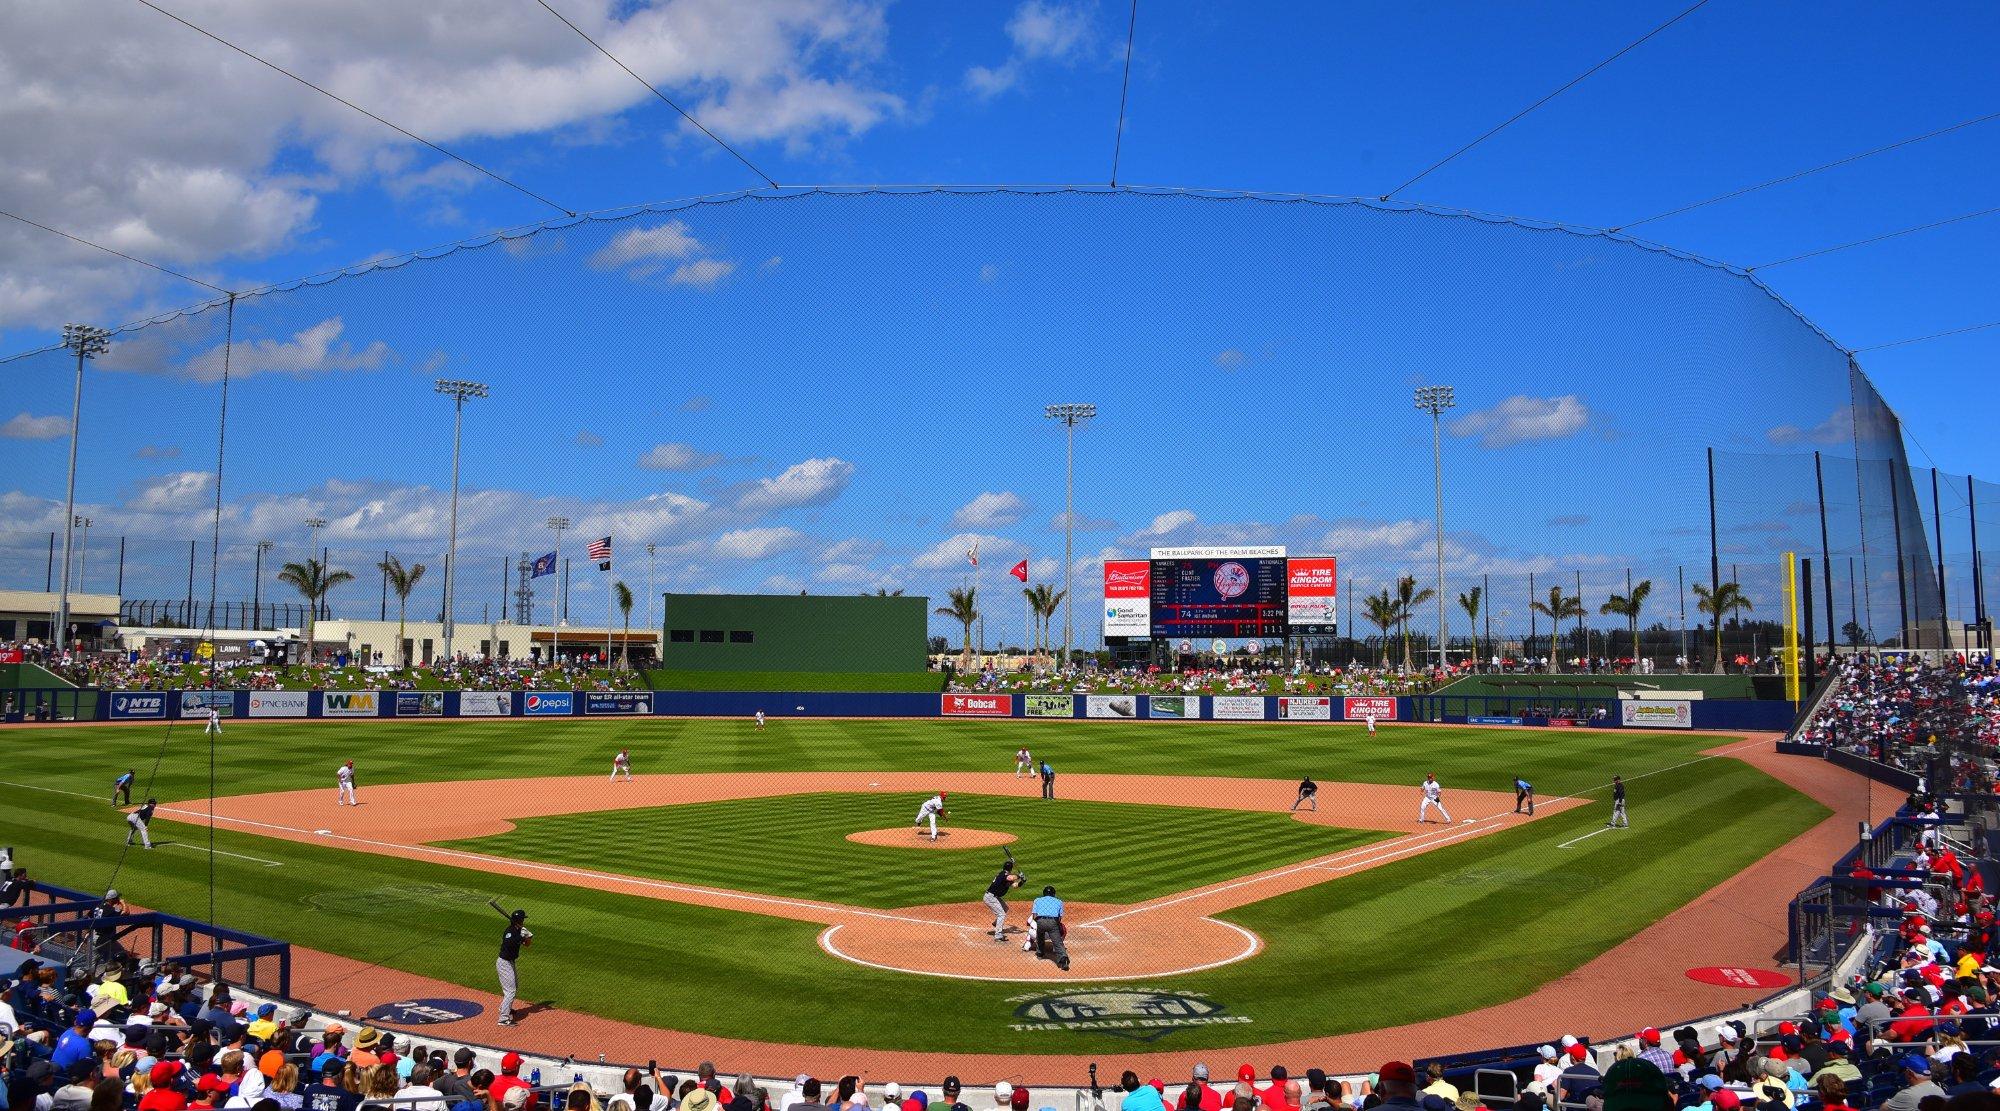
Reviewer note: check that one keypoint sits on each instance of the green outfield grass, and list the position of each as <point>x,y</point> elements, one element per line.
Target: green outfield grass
<point>1425,937</point>
<point>796,846</point>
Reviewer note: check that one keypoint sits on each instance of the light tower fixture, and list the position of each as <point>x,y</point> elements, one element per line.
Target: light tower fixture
<point>1070,414</point>
<point>88,341</point>
<point>1435,400</point>
<point>458,390</point>
<point>555,594</point>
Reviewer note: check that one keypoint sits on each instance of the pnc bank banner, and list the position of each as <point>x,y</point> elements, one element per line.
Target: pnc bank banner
<point>351,704</point>
<point>279,704</point>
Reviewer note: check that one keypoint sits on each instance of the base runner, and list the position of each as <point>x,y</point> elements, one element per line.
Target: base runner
<point>931,810</point>
<point>1433,797</point>
<point>138,820</point>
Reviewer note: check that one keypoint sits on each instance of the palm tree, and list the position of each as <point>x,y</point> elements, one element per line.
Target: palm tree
<point>1033,595</point>
<point>1469,602</point>
<point>1408,598</point>
<point>1380,609</point>
<point>964,609</point>
<point>402,580</point>
<point>622,594</point>
<point>881,592</point>
<point>1725,600</point>
<point>1628,607</point>
<point>314,580</point>
<point>1559,608</point>
<point>1052,600</point>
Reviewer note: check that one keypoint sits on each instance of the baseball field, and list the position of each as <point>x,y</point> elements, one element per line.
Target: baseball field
<point>767,886</point>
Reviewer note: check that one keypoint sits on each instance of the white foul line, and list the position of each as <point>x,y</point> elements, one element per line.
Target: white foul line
<point>1255,946</point>
<point>1585,837</point>
<point>222,852</point>
<point>51,790</point>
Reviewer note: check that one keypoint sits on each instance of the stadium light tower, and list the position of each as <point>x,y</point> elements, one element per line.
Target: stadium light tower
<point>313,525</point>
<point>88,342</point>
<point>1070,414</point>
<point>1435,400</point>
<point>458,390</point>
<point>555,592</point>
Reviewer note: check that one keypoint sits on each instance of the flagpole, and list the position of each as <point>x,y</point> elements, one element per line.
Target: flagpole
<point>610,596</point>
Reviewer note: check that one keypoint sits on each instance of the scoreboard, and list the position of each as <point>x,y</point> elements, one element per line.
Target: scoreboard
<point>1220,596</point>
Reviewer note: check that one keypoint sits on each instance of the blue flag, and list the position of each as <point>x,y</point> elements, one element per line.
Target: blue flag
<point>546,565</point>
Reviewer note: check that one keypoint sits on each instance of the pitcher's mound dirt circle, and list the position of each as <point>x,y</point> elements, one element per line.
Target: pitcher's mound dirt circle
<point>955,941</point>
<point>909,837</point>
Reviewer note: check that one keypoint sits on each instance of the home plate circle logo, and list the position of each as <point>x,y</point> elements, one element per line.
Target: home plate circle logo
<point>1730,976</point>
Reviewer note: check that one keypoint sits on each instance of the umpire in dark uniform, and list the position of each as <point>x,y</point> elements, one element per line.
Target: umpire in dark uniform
<point>511,943</point>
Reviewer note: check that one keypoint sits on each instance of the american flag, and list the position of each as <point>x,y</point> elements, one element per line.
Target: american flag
<point>600,550</point>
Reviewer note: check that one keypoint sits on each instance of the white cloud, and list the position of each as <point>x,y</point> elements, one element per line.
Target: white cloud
<point>990,510</point>
<point>25,426</point>
<point>702,272</point>
<point>1084,523</point>
<point>813,482</point>
<point>1837,428</point>
<point>157,451</point>
<point>755,543</point>
<point>1038,32</point>
<point>851,550</point>
<point>988,272</point>
<point>677,457</point>
<point>318,349</point>
<point>1521,418</point>
<point>990,81</point>
<point>1231,359</point>
<point>1171,521</point>
<point>670,240</point>
<point>950,554</point>
<point>586,438</point>
<point>170,493</point>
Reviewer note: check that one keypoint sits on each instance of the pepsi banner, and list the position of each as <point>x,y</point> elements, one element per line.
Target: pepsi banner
<point>548,703</point>
<point>136,704</point>
<point>618,702</point>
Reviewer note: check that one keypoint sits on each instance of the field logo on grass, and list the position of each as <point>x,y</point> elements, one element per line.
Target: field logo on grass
<point>423,1012</point>
<point>1175,707</point>
<point>1309,708</point>
<point>485,704</point>
<point>351,704</point>
<point>278,704</point>
<point>1358,708</point>
<point>1141,1014</point>
<point>393,901</point>
<point>1049,705</point>
<point>419,704</point>
<point>539,703</point>
<point>138,705</point>
<point>1656,714</point>
<point>1236,707</point>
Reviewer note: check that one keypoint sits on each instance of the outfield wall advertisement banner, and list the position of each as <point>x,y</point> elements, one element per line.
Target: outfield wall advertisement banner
<point>1128,598</point>
<point>1656,714</point>
<point>1049,705</point>
<point>419,704</point>
<point>351,704</point>
<point>1236,707</point>
<point>977,705</point>
<point>138,704</point>
<point>617,702</point>
<point>485,704</point>
<point>1312,602</point>
<point>1174,707</point>
<point>547,703</point>
<point>279,704</point>
<point>197,704</point>
<point>1305,709</point>
<point>1357,708</point>
<point>1111,706</point>
<point>1492,719</point>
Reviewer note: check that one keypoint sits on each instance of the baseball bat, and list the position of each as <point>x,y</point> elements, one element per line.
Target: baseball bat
<point>495,904</point>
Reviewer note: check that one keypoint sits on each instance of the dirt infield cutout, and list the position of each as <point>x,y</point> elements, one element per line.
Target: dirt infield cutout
<point>910,837</point>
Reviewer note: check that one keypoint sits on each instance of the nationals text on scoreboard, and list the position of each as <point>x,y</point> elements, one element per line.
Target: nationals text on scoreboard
<point>1231,592</point>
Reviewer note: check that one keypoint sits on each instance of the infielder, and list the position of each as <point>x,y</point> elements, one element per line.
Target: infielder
<point>138,820</point>
<point>345,774</point>
<point>996,897</point>
<point>1308,793</point>
<point>1618,818</point>
<point>123,787</point>
<point>1524,792</point>
<point>516,936</point>
<point>621,764</point>
<point>1433,797</point>
<point>1023,763</point>
<point>932,808</point>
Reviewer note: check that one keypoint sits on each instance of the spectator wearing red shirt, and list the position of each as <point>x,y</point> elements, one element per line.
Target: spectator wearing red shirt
<point>510,1079</point>
<point>164,1095</point>
<point>1199,1095</point>
<point>1912,1024</point>
<point>1272,1096</point>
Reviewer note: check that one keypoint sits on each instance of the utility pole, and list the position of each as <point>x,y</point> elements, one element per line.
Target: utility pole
<point>88,342</point>
<point>1070,414</point>
<point>555,591</point>
<point>257,586</point>
<point>458,390</point>
<point>1435,400</point>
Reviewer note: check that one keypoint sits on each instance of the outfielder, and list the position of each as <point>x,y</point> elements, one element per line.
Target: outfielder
<point>1618,818</point>
<point>1371,723</point>
<point>1308,793</point>
<point>932,808</point>
<point>1023,763</point>
<point>1524,792</point>
<point>621,764</point>
<point>123,787</point>
<point>760,719</point>
<point>214,722</point>
<point>345,774</point>
<point>138,820</point>
<point>1433,797</point>
<point>516,936</point>
<point>996,897</point>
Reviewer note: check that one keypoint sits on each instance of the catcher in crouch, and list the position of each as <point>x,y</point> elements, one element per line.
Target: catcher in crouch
<point>1046,931</point>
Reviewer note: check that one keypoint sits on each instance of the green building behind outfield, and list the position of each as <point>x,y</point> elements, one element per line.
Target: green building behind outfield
<point>793,632</point>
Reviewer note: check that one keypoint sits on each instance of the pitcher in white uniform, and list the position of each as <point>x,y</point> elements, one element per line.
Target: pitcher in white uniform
<point>929,811</point>
<point>1433,796</point>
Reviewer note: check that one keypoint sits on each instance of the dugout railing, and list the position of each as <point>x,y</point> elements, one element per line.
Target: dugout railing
<point>62,931</point>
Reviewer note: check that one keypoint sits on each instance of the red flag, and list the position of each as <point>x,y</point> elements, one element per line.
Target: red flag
<point>1020,571</point>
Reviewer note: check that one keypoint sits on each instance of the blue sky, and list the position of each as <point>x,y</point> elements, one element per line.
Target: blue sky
<point>839,394</point>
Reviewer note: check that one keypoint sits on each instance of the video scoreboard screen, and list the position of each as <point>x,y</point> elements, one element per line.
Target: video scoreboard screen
<point>1225,596</point>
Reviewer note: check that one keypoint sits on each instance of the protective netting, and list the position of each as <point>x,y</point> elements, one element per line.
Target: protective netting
<point>842,391</point>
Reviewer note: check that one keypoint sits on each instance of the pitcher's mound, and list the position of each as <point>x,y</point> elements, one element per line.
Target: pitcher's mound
<point>908,837</point>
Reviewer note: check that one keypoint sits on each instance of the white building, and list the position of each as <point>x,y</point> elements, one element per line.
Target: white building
<point>30,615</point>
<point>372,642</point>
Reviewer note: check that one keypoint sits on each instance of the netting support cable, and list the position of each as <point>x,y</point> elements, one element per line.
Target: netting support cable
<point>1565,87</point>
<point>338,99</point>
<point>113,251</point>
<point>1124,92</point>
<point>650,87</point>
<point>1825,555</point>
<point>1835,164</point>
<point>214,570</point>
<point>1932,336</point>
<point>1873,239</point>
